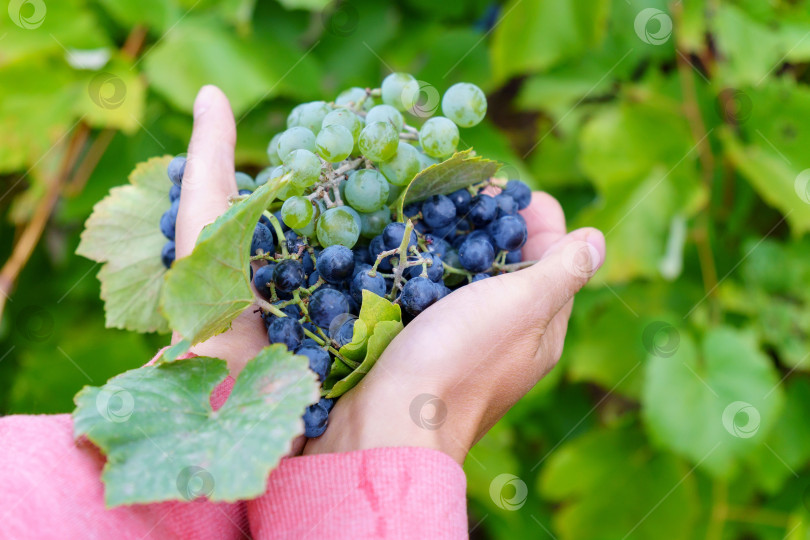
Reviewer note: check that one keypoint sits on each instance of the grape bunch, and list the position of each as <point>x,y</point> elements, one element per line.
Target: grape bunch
<point>336,232</point>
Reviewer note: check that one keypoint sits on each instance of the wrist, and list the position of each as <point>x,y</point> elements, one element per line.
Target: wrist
<point>373,416</point>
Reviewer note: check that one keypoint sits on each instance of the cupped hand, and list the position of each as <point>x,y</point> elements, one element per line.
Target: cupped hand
<point>460,365</point>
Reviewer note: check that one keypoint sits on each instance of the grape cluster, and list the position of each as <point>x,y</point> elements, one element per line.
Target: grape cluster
<point>337,233</point>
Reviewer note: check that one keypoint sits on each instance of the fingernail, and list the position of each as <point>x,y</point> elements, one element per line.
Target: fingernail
<point>597,241</point>
<point>205,98</point>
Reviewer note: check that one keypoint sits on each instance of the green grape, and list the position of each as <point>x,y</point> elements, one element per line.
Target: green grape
<point>378,141</point>
<point>264,175</point>
<point>297,212</point>
<point>304,166</point>
<point>393,193</point>
<point>439,137</point>
<point>277,172</point>
<point>385,113</point>
<point>307,231</point>
<point>403,165</point>
<point>334,143</point>
<point>309,115</point>
<point>272,150</point>
<point>465,104</point>
<point>397,86</point>
<point>373,223</point>
<point>352,96</point>
<point>293,139</point>
<point>338,226</point>
<point>366,190</point>
<point>355,214</point>
<point>245,181</point>
<point>425,160</point>
<point>345,118</point>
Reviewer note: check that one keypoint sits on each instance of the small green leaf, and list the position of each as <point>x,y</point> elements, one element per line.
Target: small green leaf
<point>207,290</point>
<point>124,233</point>
<point>384,333</point>
<point>163,441</point>
<point>369,340</point>
<point>461,170</point>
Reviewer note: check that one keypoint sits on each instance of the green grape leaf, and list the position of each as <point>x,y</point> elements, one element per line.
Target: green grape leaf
<point>207,290</point>
<point>787,447</point>
<point>612,485</point>
<point>459,171</point>
<point>123,233</point>
<point>312,5</point>
<point>383,334</point>
<point>160,434</point>
<point>713,405</point>
<point>379,322</point>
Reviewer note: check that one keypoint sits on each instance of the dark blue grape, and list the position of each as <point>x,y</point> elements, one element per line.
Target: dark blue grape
<point>263,239</point>
<point>520,192</point>
<point>327,403</point>
<point>345,332</point>
<point>393,233</point>
<point>435,270</point>
<point>507,206</point>
<point>287,331</point>
<point>262,279</point>
<point>437,245</point>
<point>307,262</point>
<point>174,193</point>
<point>479,277</point>
<point>441,290</point>
<point>438,211</point>
<point>417,295</point>
<point>362,256</point>
<point>315,419</point>
<point>483,210</point>
<point>291,310</point>
<point>376,247</point>
<point>308,342</point>
<point>319,360</point>
<point>514,257</point>
<point>476,255</point>
<point>177,167</point>
<point>363,281</point>
<point>326,304</point>
<point>508,233</point>
<point>168,220</point>
<point>245,192</point>
<point>421,228</point>
<point>167,254</point>
<point>335,263</point>
<point>288,275</point>
<point>264,220</point>
<point>461,200</point>
<point>411,210</point>
<point>313,277</point>
<point>295,243</point>
<point>284,227</point>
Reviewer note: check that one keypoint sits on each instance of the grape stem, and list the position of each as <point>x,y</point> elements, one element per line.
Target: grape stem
<point>403,259</point>
<point>409,136</point>
<point>513,267</point>
<point>282,240</point>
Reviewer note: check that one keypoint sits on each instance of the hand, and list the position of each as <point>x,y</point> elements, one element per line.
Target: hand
<point>208,181</point>
<point>460,365</point>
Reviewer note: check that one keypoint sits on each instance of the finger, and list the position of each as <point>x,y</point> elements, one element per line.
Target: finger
<point>209,179</point>
<point>545,223</point>
<point>565,268</point>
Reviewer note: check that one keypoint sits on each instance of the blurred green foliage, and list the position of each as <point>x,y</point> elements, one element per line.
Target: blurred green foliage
<point>680,406</point>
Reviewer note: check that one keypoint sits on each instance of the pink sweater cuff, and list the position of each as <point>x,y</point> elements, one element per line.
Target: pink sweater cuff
<point>377,493</point>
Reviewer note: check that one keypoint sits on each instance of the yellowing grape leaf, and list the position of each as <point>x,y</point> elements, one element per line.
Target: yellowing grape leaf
<point>462,169</point>
<point>123,233</point>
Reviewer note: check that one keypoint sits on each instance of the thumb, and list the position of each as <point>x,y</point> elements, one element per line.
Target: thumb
<point>565,268</point>
<point>209,179</point>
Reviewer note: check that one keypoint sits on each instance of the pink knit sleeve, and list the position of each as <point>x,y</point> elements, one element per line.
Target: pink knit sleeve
<point>377,493</point>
